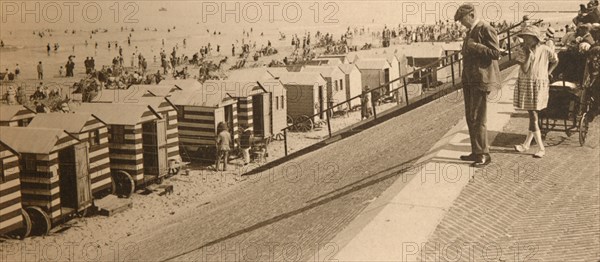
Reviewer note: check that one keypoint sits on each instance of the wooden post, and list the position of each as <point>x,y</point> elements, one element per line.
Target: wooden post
<point>373,105</point>
<point>452,69</point>
<point>405,89</point>
<point>285,141</point>
<point>509,45</point>
<point>330,113</point>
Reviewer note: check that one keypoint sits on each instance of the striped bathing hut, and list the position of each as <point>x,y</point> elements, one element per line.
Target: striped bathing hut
<point>137,137</point>
<point>147,95</point>
<point>168,112</point>
<point>10,190</point>
<point>54,181</point>
<point>262,103</point>
<point>88,129</point>
<point>15,115</point>
<point>198,115</point>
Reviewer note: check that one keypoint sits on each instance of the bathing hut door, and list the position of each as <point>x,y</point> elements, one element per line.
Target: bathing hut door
<point>84,192</point>
<point>229,119</point>
<point>258,115</point>
<point>161,139</point>
<point>386,78</point>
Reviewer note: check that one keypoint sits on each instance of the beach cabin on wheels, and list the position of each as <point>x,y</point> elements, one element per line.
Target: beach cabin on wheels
<point>198,115</point>
<point>374,73</point>
<point>305,94</point>
<point>137,137</point>
<point>261,104</point>
<point>336,88</point>
<point>55,184</point>
<point>160,105</point>
<point>90,130</point>
<point>11,212</point>
<point>353,83</point>
<point>15,115</point>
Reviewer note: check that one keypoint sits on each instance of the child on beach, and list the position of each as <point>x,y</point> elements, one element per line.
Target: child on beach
<point>60,71</point>
<point>531,93</point>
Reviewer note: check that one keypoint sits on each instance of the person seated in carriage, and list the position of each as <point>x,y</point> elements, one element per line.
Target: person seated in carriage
<point>572,60</point>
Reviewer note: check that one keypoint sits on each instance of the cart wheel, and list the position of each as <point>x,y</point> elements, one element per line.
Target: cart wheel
<point>40,221</point>
<point>304,123</point>
<point>584,125</point>
<point>122,183</point>
<point>290,121</point>
<point>24,232</point>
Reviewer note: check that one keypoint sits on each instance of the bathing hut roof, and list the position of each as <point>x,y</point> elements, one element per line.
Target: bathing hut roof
<point>153,90</point>
<point>32,140</point>
<point>182,84</point>
<point>8,112</point>
<point>200,98</point>
<point>276,71</point>
<point>240,88</point>
<point>326,71</point>
<point>302,78</point>
<point>423,51</point>
<point>373,63</point>
<point>117,113</point>
<point>261,73</point>
<point>70,122</point>
<point>347,68</point>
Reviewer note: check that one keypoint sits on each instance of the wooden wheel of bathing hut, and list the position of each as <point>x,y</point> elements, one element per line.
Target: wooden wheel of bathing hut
<point>40,221</point>
<point>304,123</point>
<point>25,229</point>
<point>123,184</point>
<point>290,121</point>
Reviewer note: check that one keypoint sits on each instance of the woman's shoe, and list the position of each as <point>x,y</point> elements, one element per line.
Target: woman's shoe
<point>521,148</point>
<point>540,154</point>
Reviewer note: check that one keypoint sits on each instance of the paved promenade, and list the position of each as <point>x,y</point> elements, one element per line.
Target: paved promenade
<point>517,209</point>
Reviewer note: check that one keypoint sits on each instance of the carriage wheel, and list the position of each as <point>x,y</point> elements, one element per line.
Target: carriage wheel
<point>40,221</point>
<point>24,232</point>
<point>290,121</point>
<point>122,184</point>
<point>584,125</point>
<point>304,124</point>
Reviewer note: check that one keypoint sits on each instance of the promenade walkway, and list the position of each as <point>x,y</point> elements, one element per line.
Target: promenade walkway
<point>517,209</point>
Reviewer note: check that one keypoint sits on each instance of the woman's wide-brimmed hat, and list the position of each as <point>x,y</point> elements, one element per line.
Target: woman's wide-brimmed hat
<point>532,31</point>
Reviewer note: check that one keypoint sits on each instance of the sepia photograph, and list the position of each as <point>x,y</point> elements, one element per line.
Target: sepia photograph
<point>312,130</point>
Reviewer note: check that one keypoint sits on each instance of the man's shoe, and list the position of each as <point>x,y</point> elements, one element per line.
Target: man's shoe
<point>482,160</point>
<point>471,157</point>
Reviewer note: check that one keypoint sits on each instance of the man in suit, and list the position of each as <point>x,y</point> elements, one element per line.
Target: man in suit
<point>481,75</point>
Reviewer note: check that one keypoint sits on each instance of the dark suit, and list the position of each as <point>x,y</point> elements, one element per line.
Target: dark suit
<point>481,75</point>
